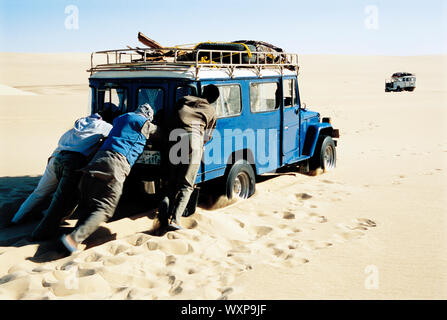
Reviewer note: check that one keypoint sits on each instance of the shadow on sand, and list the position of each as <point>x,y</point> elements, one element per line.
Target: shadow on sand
<point>134,204</point>
<point>14,191</point>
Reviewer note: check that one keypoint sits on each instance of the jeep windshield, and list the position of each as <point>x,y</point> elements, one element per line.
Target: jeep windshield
<point>121,97</point>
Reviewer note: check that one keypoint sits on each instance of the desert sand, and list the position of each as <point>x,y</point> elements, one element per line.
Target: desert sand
<point>374,228</point>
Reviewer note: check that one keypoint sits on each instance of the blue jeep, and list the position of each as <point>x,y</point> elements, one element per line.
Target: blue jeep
<point>262,125</point>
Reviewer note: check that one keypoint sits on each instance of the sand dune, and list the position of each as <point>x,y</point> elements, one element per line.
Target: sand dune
<point>10,91</point>
<point>299,236</point>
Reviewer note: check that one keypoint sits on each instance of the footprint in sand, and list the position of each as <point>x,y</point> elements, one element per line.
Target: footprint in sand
<point>354,230</point>
<point>176,246</point>
<point>172,236</point>
<point>191,271</point>
<point>139,294</point>
<point>116,248</point>
<point>46,283</point>
<point>241,224</point>
<point>190,223</point>
<point>152,245</point>
<point>17,288</point>
<point>94,257</point>
<point>287,258</point>
<point>311,245</point>
<point>115,260</point>
<point>176,288</point>
<point>366,222</point>
<point>225,293</point>
<point>345,236</point>
<point>238,250</point>
<point>261,231</point>
<point>170,260</point>
<point>84,286</point>
<point>358,224</point>
<point>138,239</point>
<point>270,245</point>
<point>278,252</point>
<point>68,265</point>
<point>10,277</point>
<point>121,279</point>
<point>316,218</point>
<point>302,260</point>
<point>288,215</point>
<point>41,269</point>
<point>303,196</point>
<point>171,279</point>
<point>86,272</point>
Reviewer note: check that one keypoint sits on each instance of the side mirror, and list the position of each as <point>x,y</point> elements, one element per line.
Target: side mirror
<point>303,106</point>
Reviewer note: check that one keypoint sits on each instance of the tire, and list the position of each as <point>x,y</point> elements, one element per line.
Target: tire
<point>240,180</point>
<point>325,155</point>
<point>399,89</point>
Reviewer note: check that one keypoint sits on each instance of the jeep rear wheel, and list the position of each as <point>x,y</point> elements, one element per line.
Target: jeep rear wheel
<point>325,155</point>
<point>241,180</point>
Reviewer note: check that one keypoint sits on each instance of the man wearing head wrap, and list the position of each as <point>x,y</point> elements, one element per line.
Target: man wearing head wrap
<point>103,178</point>
<point>62,175</point>
<point>194,120</point>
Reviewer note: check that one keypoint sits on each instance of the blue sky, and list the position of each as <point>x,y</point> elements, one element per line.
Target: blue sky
<point>402,27</point>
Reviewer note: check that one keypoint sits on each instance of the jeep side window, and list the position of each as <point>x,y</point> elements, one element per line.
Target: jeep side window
<point>264,96</point>
<point>290,99</point>
<point>153,96</point>
<point>229,102</point>
<point>183,91</point>
<point>114,99</point>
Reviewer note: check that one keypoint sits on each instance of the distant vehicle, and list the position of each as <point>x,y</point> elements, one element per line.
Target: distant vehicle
<point>401,81</point>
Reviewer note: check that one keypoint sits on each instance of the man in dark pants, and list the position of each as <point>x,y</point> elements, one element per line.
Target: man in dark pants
<point>193,122</point>
<point>74,149</point>
<point>103,179</point>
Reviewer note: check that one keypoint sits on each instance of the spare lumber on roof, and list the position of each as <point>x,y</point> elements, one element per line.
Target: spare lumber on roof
<point>148,41</point>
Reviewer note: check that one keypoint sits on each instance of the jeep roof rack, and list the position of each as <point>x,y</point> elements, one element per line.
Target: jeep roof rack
<point>178,59</point>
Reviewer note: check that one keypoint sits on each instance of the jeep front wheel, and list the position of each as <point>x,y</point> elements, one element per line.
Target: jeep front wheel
<point>325,155</point>
<point>240,180</point>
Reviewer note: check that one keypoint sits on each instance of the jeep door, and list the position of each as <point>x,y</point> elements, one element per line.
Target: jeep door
<point>228,111</point>
<point>290,121</point>
<point>264,120</point>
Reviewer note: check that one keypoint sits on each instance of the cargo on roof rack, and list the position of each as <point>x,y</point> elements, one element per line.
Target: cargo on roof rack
<point>209,55</point>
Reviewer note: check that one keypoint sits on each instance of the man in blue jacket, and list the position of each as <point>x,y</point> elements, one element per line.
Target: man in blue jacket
<point>103,178</point>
